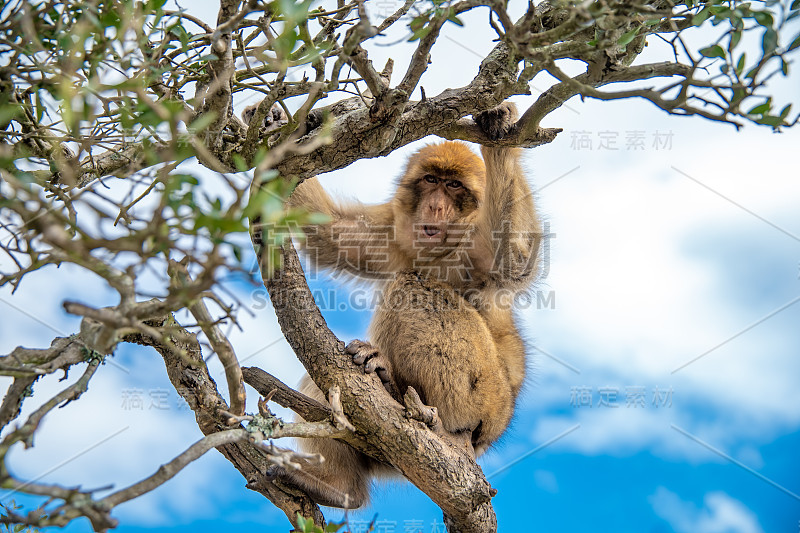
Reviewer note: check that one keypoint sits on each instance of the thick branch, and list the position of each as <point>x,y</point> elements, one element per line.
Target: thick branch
<point>359,137</point>
<point>443,471</point>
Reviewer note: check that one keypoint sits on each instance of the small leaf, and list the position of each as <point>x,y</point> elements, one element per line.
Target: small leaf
<point>202,122</point>
<point>771,120</point>
<point>770,41</point>
<point>741,64</point>
<point>713,51</point>
<point>794,44</point>
<point>786,110</point>
<point>736,36</point>
<point>764,18</point>
<point>762,108</point>
<point>454,19</point>
<point>701,17</point>
<point>420,33</point>
<point>628,36</point>
<point>155,5</point>
<point>795,5</point>
<point>239,162</point>
<point>39,106</point>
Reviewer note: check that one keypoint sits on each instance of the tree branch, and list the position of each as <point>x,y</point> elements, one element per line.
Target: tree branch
<point>189,375</point>
<point>439,468</point>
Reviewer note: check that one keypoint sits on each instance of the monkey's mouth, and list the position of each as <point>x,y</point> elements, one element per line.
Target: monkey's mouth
<point>431,235</point>
<point>431,231</point>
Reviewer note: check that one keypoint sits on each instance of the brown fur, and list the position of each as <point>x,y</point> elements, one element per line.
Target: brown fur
<point>442,326</point>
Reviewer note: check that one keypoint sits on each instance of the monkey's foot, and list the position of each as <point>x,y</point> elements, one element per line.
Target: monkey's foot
<point>366,355</point>
<point>498,121</point>
<point>417,410</point>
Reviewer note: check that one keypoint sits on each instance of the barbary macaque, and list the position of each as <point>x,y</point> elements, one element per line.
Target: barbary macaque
<point>459,235</point>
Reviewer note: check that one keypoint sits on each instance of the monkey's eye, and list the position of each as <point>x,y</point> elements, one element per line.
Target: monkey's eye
<point>430,178</point>
<point>454,184</point>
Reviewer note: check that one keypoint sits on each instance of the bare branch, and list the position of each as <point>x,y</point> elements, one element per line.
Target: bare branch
<point>266,384</point>
<point>219,342</point>
<point>189,375</point>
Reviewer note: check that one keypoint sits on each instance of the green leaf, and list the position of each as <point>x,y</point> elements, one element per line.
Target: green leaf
<point>770,120</point>
<point>701,17</point>
<point>202,122</point>
<point>454,19</point>
<point>110,17</point>
<point>770,41</point>
<point>741,64</point>
<point>286,42</point>
<point>795,43</point>
<point>239,162</point>
<point>9,112</point>
<point>420,33</point>
<point>795,5</point>
<point>628,36</point>
<point>155,5</point>
<point>713,51</point>
<point>736,36</point>
<point>762,108</point>
<point>786,110</point>
<point>37,97</point>
<point>764,18</point>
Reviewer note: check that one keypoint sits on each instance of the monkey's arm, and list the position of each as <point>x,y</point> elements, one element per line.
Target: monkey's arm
<point>509,231</point>
<point>357,239</point>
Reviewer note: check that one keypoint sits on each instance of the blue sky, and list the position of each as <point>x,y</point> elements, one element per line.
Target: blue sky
<point>659,256</point>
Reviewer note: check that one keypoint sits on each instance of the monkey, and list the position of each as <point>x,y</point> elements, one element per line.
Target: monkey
<point>460,234</point>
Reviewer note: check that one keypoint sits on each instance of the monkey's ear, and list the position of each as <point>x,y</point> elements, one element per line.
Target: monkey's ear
<point>498,121</point>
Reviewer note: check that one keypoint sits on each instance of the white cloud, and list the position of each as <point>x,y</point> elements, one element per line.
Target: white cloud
<point>719,514</point>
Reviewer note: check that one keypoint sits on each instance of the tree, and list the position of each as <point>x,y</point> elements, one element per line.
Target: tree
<point>101,103</point>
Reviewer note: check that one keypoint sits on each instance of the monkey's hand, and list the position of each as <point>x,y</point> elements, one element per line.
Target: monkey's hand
<point>498,121</point>
<point>370,357</point>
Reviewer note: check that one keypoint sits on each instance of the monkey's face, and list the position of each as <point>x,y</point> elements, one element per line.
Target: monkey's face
<point>438,196</point>
<point>444,204</point>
